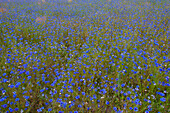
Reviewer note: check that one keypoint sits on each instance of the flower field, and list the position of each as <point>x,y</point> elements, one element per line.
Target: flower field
<point>84,56</point>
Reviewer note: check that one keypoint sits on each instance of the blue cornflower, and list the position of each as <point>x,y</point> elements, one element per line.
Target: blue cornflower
<point>83,93</point>
<point>107,102</point>
<point>27,103</point>
<point>63,104</point>
<point>146,111</point>
<point>24,92</point>
<point>3,91</point>
<point>163,99</point>
<point>17,85</point>
<point>51,100</point>
<point>39,110</point>
<point>160,69</point>
<point>4,74</point>
<point>115,108</point>
<point>17,99</point>
<point>73,84</point>
<point>132,97</point>
<point>66,95</point>
<point>160,93</point>
<point>27,72</point>
<point>94,96</point>
<point>149,109</point>
<point>128,98</point>
<point>26,97</point>
<point>129,92</point>
<point>135,108</point>
<point>29,77</point>
<point>11,86</point>
<point>77,97</point>
<point>10,109</point>
<point>49,109</point>
<point>119,111</point>
<point>79,105</point>
<point>137,101</point>
<point>16,109</point>
<point>130,108</point>
<point>11,103</point>
<point>42,90</point>
<point>75,111</point>
<point>4,106</point>
<point>124,94</point>
<point>164,57</point>
<point>25,65</point>
<point>123,85</point>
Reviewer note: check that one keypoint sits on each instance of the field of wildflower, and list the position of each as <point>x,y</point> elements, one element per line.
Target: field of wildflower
<point>84,56</point>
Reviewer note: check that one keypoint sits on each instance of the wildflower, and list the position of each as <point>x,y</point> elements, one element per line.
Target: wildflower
<point>17,99</point>
<point>123,85</point>
<point>115,108</point>
<point>4,74</point>
<point>51,100</point>
<point>66,95</point>
<point>137,101</point>
<point>128,98</point>
<point>107,102</point>
<point>29,77</point>
<point>10,109</point>
<point>27,103</point>
<point>79,105</point>
<point>146,111</point>
<point>27,72</point>
<point>39,110</point>
<point>77,97</point>
<point>49,109</point>
<point>83,93</point>
<point>160,93</point>
<point>135,109</point>
<point>17,85</point>
<point>130,108</point>
<point>16,109</point>
<point>3,91</point>
<point>162,99</point>
<point>4,106</point>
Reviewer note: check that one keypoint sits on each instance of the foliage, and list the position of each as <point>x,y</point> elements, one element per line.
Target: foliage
<point>84,56</point>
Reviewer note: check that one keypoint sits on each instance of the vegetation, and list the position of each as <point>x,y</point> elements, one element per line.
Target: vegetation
<point>86,56</point>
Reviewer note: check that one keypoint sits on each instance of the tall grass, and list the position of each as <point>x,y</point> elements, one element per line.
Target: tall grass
<point>84,56</point>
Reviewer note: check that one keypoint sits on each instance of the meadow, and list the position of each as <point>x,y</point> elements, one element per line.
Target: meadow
<point>84,56</point>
